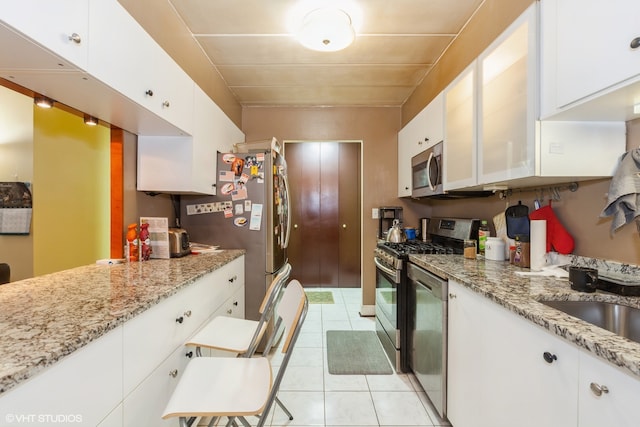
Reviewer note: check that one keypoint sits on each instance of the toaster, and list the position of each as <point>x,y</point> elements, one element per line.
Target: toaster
<point>179,242</point>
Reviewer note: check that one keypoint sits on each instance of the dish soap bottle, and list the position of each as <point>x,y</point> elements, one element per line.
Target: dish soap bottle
<point>132,242</point>
<point>483,233</point>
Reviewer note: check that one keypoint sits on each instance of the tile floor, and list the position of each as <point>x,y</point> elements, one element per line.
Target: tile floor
<point>316,398</point>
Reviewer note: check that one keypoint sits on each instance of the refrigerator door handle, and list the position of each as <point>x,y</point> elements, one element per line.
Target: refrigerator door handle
<point>286,189</point>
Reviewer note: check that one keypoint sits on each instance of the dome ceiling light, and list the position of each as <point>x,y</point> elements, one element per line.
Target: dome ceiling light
<point>326,29</point>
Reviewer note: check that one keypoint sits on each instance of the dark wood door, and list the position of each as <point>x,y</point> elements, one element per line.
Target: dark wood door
<point>324,179</point>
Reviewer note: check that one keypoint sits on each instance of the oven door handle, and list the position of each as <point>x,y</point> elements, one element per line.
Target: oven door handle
<point>384,268</point>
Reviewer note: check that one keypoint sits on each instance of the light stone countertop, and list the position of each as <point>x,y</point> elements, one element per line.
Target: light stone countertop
<point>46,318</point>
<point>497,281</point>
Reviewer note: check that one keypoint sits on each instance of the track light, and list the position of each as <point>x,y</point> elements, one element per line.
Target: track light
<point>90,120</point>
<point>43,102</point>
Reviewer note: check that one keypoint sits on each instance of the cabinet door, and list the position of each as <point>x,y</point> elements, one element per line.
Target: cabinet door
<point>61,26</point>
<point>126,58</point>
<point>593,46</point>
<point>423,131</point>
<point>506,102</point>
<point>497,367</point>
<point>616,407</point>
<point>145,405</point>
<point>460,148</point>
<point>81,389</point>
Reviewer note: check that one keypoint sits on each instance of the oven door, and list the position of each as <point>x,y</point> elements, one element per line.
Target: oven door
<point>390,327</point>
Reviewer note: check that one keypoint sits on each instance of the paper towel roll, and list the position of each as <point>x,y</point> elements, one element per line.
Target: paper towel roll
<point>538,248</point>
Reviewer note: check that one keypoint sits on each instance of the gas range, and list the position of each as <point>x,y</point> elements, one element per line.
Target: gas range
<point>446,235</point>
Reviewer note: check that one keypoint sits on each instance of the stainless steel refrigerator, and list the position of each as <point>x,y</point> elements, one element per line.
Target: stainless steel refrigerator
<point>250,211</point>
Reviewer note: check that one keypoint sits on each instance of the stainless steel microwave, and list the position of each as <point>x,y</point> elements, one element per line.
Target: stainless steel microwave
<point>426,172</point>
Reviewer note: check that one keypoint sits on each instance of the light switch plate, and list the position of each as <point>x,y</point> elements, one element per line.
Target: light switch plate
<point>375,213</point>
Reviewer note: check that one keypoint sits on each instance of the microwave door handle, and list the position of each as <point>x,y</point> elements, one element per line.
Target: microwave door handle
<point>431,186</point>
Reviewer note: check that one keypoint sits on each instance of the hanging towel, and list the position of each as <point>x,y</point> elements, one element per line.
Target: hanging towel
<point>623,199</point>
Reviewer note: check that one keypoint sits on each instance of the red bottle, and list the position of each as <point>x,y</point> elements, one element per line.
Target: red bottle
<point>145,242</point>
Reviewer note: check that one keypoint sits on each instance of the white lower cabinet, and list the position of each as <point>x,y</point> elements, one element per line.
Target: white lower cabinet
<point>80,389</point>
<point>504,370</point>
<point>498,373</point>
<point>617,406</point>
<point>127,375</point>
<point>144,406</point>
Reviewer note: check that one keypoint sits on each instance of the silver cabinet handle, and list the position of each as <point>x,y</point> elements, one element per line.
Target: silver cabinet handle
<point>635,43</point>
<point>598,389</point>
<point>149,92</point>
<point>166,104</point>
<point>233,279</point>
<point>173,373</point>
<point>452,296</point>
<point>75,37</point>
<point>230,311</point>
<point>187,313</point>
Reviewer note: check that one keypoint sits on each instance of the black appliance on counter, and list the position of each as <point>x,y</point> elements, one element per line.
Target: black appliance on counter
<point>386,216</point>
<point>394,300</point>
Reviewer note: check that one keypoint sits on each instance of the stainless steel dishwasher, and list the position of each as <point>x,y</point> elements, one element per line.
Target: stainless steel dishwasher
<point>428,334</point>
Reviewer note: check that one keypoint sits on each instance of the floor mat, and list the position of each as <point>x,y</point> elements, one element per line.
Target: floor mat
<point>356,353</point>
<point>320,297</point>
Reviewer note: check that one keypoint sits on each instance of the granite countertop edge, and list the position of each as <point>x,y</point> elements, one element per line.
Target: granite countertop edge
<point>46,318</point>
<point>497,281</point>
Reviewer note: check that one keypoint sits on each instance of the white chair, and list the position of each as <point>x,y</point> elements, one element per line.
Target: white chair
<point>238,387</point>
<point>240,336</point>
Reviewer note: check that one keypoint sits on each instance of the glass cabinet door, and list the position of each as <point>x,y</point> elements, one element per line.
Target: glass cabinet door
<point>460,131</point>
<point>507,77</point>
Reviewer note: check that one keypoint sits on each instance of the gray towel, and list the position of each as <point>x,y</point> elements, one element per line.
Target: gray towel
<point>623,199</point>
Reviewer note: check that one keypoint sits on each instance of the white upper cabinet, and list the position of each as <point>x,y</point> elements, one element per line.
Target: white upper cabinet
<point>591,59</point>
<point>61,26</point>
<point>127,59</point>
<point>423,131</point>
<point>460,131</point>
<point>507,93</point>
<point>513,148</point>
<point>187,164</point>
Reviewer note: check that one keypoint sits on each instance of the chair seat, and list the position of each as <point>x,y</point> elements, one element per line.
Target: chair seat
<point>226,333</point>
<point>217,386</point>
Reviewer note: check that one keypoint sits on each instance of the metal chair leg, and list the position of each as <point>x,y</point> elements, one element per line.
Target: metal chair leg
<point>286,411</point>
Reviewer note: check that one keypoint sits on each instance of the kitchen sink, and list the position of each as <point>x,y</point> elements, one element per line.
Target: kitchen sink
<point>617,318</point>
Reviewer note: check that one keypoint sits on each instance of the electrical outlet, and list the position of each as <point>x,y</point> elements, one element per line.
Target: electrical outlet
<point>375,213</point>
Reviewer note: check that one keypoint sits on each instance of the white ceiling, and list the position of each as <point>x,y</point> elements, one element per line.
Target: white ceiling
<point>249,43</point>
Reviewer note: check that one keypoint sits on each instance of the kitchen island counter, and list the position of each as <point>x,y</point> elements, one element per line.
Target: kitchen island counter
<point>498,281</point>
<point>46,318</point>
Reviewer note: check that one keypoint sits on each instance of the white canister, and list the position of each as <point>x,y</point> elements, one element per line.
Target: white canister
<point>494,249</point>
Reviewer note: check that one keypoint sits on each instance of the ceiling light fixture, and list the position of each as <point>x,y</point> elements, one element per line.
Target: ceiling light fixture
<point>90,120</point>
<point>326,29</point>
<point>43,102</point>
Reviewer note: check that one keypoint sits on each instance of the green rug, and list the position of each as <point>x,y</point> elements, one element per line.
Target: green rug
<point>320,297</point>
<point>356,353</point>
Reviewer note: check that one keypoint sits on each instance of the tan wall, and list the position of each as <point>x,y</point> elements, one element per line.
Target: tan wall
<point>377,128</point>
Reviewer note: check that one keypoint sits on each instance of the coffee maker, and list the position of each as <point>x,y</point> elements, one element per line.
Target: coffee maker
<point>386,216</point>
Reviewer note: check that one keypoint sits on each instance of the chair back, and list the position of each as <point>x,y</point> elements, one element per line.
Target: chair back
<point>267,306</point>
<point>291,313</point>
<point>5,273</point>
